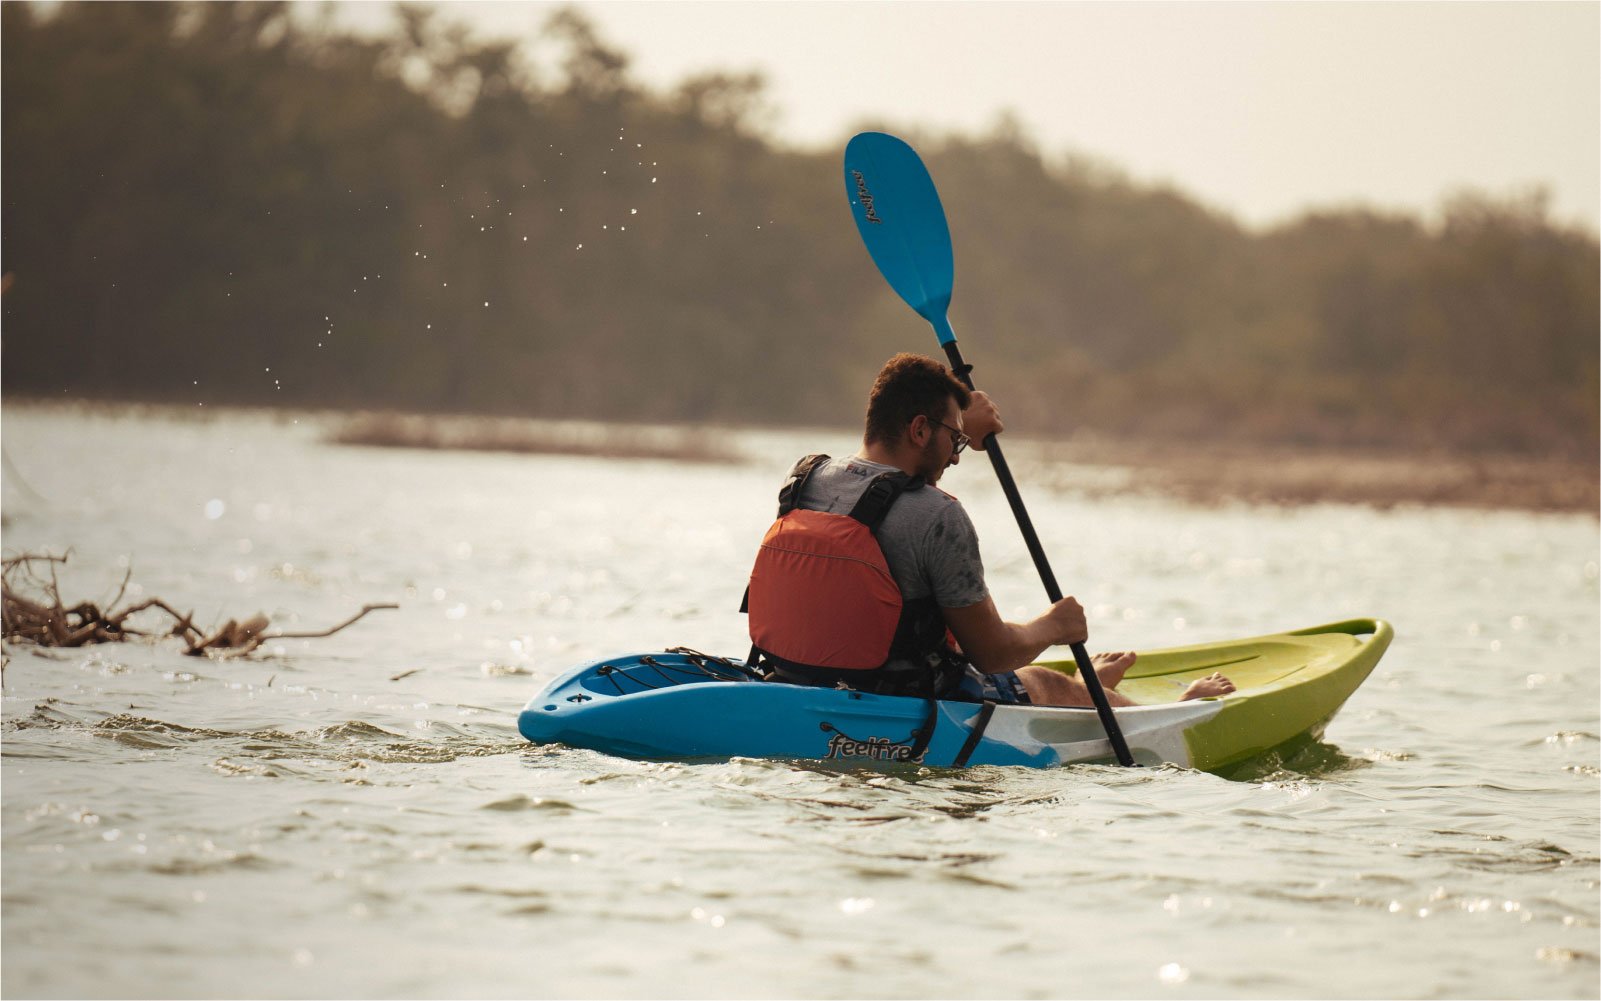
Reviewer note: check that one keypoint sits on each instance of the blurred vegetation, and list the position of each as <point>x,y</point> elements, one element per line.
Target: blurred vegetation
<point>237,204</point>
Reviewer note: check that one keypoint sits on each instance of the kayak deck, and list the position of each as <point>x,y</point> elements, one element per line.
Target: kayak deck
<point>1288,685</point>
<point>1163,675</point>
<point>682,704</point>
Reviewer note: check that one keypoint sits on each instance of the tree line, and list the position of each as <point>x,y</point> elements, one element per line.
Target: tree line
<point>235,204</point>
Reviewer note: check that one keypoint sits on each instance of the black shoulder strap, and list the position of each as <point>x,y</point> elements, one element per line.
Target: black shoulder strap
<point>789,493</point>
<point>879,495</point>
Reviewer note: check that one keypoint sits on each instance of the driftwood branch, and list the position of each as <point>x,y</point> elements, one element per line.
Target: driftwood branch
<point>333,629</point>
<point>123,588</point>
<point>41,617</point>
<point>23,559</point>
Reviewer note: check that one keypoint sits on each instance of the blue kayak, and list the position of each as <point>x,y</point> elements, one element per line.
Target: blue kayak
<point>682,704</point>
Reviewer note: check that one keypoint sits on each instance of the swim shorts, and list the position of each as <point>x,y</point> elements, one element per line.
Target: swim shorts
<point>1006,689</point>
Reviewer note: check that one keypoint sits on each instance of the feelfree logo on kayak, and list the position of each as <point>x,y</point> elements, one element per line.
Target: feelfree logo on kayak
<point>842,746</point>
<point>866,198</point>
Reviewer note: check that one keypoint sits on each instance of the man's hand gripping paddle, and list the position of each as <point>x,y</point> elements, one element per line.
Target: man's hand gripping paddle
<point>899,215</point>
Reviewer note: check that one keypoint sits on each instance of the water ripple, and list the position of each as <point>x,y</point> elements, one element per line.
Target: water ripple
<point>283,821</point>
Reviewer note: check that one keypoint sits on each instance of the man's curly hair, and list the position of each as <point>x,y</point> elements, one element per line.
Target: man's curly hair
<point>906,386</point>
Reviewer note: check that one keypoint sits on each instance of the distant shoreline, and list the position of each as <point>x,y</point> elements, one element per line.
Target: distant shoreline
<point>1224,473</point>
<point>1094,465</point>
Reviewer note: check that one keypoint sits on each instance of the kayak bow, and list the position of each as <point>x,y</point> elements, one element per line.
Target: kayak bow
<point>682,704</point>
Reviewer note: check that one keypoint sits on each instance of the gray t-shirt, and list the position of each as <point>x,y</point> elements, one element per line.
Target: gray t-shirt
<point>928,540</point>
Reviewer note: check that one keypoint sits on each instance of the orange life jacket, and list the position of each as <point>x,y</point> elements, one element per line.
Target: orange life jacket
<point>821,595</point>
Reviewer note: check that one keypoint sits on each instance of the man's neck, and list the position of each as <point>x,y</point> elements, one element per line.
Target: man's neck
<point>904,459</point>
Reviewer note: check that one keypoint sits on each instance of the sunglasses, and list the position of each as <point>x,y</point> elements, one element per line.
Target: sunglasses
<point>958,439</point>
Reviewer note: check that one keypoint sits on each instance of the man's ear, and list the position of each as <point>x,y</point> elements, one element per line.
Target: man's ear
<point>918,430</point>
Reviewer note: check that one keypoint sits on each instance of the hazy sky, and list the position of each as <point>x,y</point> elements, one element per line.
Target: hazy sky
<point>1258,109</point>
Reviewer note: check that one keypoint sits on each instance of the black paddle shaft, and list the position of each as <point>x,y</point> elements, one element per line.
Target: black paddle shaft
<point>1086,670</point>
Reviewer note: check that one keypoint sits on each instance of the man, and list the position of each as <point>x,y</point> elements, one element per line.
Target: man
<point>919,419</point>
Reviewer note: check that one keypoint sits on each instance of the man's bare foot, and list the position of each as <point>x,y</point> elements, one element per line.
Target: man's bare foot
<point>1207,687</point>
<point>1110,667</point>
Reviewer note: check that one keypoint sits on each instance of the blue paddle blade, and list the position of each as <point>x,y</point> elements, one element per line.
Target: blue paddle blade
<point>899,215</point>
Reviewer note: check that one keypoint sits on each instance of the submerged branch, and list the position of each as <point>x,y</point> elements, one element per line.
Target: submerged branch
<point>42,618</point>
<point>26,558</point>
<point>333,629</point>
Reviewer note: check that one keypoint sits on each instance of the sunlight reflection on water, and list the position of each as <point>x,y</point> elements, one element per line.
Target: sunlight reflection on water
<point>358,815</point>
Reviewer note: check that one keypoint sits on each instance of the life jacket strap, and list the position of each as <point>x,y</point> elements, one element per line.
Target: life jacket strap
<point>877,680</point>
<point>937,677</point>
<point>879,495</point>
<point>789,493</point>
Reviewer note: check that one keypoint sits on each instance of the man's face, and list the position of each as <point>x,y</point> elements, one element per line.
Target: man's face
<point>940,451</point>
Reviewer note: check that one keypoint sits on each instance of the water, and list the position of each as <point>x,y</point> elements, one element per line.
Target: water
<point>357,815</point>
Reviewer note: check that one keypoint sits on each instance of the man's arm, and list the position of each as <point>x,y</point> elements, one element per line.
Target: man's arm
<point>996,646</point>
